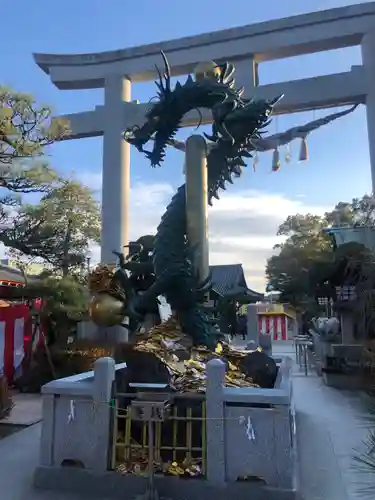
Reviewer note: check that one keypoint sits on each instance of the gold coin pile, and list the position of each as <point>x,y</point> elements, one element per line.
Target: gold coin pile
<point>190,376</point>
<point>138,465</point>
<point>188,468</point>
<point>161,341</point>
<point>192,379</point>
<point>170,330</point>
<point>101,280</point>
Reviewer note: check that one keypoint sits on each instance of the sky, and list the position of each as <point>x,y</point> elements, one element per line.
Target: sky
<point>243,224</point>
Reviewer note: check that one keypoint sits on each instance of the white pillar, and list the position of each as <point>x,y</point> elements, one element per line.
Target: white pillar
<point>368,60</point>
<point>197,203</point>
<point>116,170</point>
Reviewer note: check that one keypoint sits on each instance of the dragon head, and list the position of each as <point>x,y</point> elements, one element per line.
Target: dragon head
<point>157,119</point>
<point>211,84</point>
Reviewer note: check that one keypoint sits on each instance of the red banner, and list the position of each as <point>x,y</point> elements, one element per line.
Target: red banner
<point>15,335</point>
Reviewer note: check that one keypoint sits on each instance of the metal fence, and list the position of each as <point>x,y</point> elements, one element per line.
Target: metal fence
<point>179,437</point>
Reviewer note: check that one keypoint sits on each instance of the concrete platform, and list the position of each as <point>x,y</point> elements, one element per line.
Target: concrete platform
<point>330,425</point>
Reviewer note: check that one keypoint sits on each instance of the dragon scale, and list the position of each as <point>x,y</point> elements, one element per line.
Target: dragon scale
<point>236,121</point>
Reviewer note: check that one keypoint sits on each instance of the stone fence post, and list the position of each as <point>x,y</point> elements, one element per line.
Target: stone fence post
<point>215,422</point>
<point>104,376</point>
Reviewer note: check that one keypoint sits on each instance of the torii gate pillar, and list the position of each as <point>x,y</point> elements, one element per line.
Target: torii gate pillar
<point>368,60</point>
<point>116,170</point>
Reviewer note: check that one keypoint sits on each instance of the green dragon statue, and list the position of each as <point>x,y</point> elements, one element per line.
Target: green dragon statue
<point>236,122</point>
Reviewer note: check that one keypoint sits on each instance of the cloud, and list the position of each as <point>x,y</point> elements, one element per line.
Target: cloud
<point>92,180</point>
<point>242,225</point>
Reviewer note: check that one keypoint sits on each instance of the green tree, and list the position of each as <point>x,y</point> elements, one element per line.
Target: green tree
<point>66,304</point>
<point>304,245</point>
<point>59,229</point>
<point>359,213</point>
<point>26,129</point>
<point>290,272</point>
<point>306,255</point>
<point>304,231</point>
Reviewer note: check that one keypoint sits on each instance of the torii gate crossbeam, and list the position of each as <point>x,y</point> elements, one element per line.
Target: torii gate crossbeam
<point>246,47</point>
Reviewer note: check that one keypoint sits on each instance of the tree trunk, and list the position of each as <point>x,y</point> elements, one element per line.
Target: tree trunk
<point>66,247</point>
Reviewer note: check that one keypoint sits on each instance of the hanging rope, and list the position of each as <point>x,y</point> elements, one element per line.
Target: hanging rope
<point>276,154</point>
<point>255,160</point>
<point>288,154</point>
<point>303,152</point>
<point>276,160</point>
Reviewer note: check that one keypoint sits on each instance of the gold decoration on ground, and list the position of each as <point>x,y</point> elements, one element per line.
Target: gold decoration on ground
<point>139,466</point>
<point>165,340</point>
<point>170,330</point>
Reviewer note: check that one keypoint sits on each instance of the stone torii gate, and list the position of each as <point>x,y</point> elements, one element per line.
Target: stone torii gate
<point>248,47</point>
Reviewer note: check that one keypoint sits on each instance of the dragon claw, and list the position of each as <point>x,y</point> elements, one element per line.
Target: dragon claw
<point>210,137</point>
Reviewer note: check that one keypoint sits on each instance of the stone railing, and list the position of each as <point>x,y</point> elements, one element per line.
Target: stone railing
<point>77,418</point>
<point>249,434</point>
<point>259,430</point>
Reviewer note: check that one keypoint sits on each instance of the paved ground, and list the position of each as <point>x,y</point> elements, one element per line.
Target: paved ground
<point>27,410</point>
<point>331,428</point>
<point>329,425</point>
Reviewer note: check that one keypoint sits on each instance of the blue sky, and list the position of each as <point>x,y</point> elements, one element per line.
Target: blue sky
<point>92,26</point>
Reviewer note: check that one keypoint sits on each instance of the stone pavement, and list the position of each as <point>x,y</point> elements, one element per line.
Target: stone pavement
<point>27,409</point>
<point>329,427</point>
<point>18,456</point>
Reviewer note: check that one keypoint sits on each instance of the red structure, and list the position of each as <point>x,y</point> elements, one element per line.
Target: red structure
<point>276,326</point>
<point>15,323</point>
<point>10,278</point>
<point>15,335</point>
<point>276,320</point>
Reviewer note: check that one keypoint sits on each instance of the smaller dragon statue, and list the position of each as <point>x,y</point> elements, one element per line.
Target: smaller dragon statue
<point>113,289</point>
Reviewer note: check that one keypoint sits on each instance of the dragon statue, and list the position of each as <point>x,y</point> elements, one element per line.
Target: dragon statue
<point>236,123</point>
<point>163,265</point>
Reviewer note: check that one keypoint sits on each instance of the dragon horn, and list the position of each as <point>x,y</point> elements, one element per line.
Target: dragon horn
<point>276,100</point>
<point>167,73</point>
<point>229,72</point>
<point>160,84</point>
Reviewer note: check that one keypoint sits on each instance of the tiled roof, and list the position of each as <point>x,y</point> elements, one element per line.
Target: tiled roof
<point>230,279</point>
<point>8,273</point>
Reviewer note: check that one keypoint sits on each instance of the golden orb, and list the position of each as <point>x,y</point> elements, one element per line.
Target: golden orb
<point>208,69</point>
<point>106,310</point>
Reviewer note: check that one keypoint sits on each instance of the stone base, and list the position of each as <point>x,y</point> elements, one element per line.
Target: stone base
<point>318,368</point>
<point>116,486</point>
<point>342,381</point>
